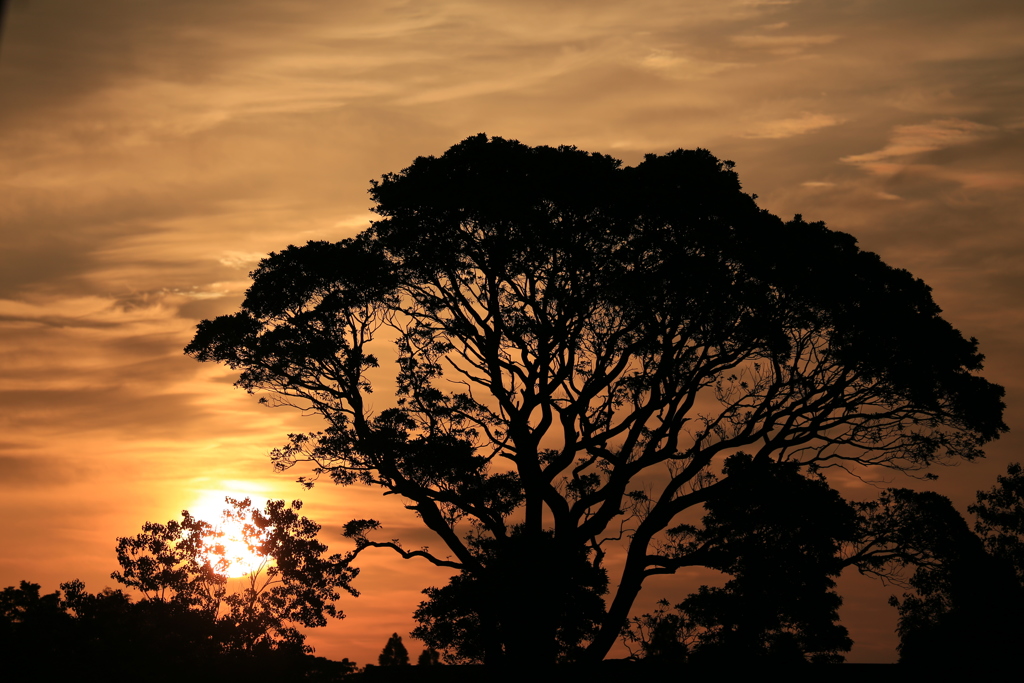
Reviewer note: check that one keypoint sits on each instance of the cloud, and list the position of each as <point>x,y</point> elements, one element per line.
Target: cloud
<point>782,45</point>
<point>785,128</point>
<point>925,137</point>
<point>663,59</point>
<point>40,471</point>
<point>241,259</point>
<point>140,311</point>
<point>947,151</point>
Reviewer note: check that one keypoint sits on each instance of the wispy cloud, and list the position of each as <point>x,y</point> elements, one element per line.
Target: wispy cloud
<point>241,259</point>
<point>785,128</point>
<point>782,45</point>
<point>924,137</point>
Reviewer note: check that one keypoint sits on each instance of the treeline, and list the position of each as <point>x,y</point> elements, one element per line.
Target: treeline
<point>74,632</point>
<point>782,547</point>
<point>188,621</point>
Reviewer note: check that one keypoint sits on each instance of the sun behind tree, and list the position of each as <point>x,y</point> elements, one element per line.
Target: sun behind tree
<point>185,564</point>
<point>233,551</point>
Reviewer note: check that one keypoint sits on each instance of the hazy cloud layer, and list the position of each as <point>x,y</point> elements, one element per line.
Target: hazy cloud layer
<point>152,152</point>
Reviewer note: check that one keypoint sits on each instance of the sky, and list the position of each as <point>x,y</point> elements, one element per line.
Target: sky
<point>152,152</point>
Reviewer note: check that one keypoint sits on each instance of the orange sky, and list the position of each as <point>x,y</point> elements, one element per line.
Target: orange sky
<point>151,152</point>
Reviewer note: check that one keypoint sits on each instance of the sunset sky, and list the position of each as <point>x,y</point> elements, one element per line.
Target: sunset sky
<point>151,152</point>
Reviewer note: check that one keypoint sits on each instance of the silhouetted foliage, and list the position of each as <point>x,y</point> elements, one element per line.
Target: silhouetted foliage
<point>966,604</point>
<point>664,635</point>
<point>183,564</point>
<point>778,534</point>
<point>1000,518</point>
<point>188,623</point>
<point>458,618</point>
<point>394,652</point>
<point>31,625</point>
<point>107,635</point>
<point>578,347</point>
<point>429,657</point>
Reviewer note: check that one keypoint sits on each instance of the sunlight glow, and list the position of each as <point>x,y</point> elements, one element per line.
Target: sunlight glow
<point>233,546</point>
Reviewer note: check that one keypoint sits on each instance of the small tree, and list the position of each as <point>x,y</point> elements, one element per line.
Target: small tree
<point>429,657</point>
<point>1000,518</point>
<point>459,617</point>
<point>31,623</point>
<point>664,635</point>
<point>394,652</point>
<point>967,588</point>
<point>183,564</point>
<point>579,346</point>
<point>171,563</point>
<point>781,545</point>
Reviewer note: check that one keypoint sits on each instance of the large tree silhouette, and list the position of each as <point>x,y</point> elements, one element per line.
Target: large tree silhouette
<point>577,347</point>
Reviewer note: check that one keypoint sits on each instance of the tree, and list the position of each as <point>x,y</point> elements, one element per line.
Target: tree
<point>664,635</point>
<point>967,588</point>
<point>170,563</point>
<point>966,603</point>
<point>1000,518</point>
<point>394,652</point>
<point>459,617</point>
<point>429,657</point>
<point>779,535</point>
<point>579,346</point>
<point>31,625</point>
<point>183,564</point>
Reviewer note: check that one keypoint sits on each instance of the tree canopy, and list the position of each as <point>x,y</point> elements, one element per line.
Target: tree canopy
<point>578,346</point>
